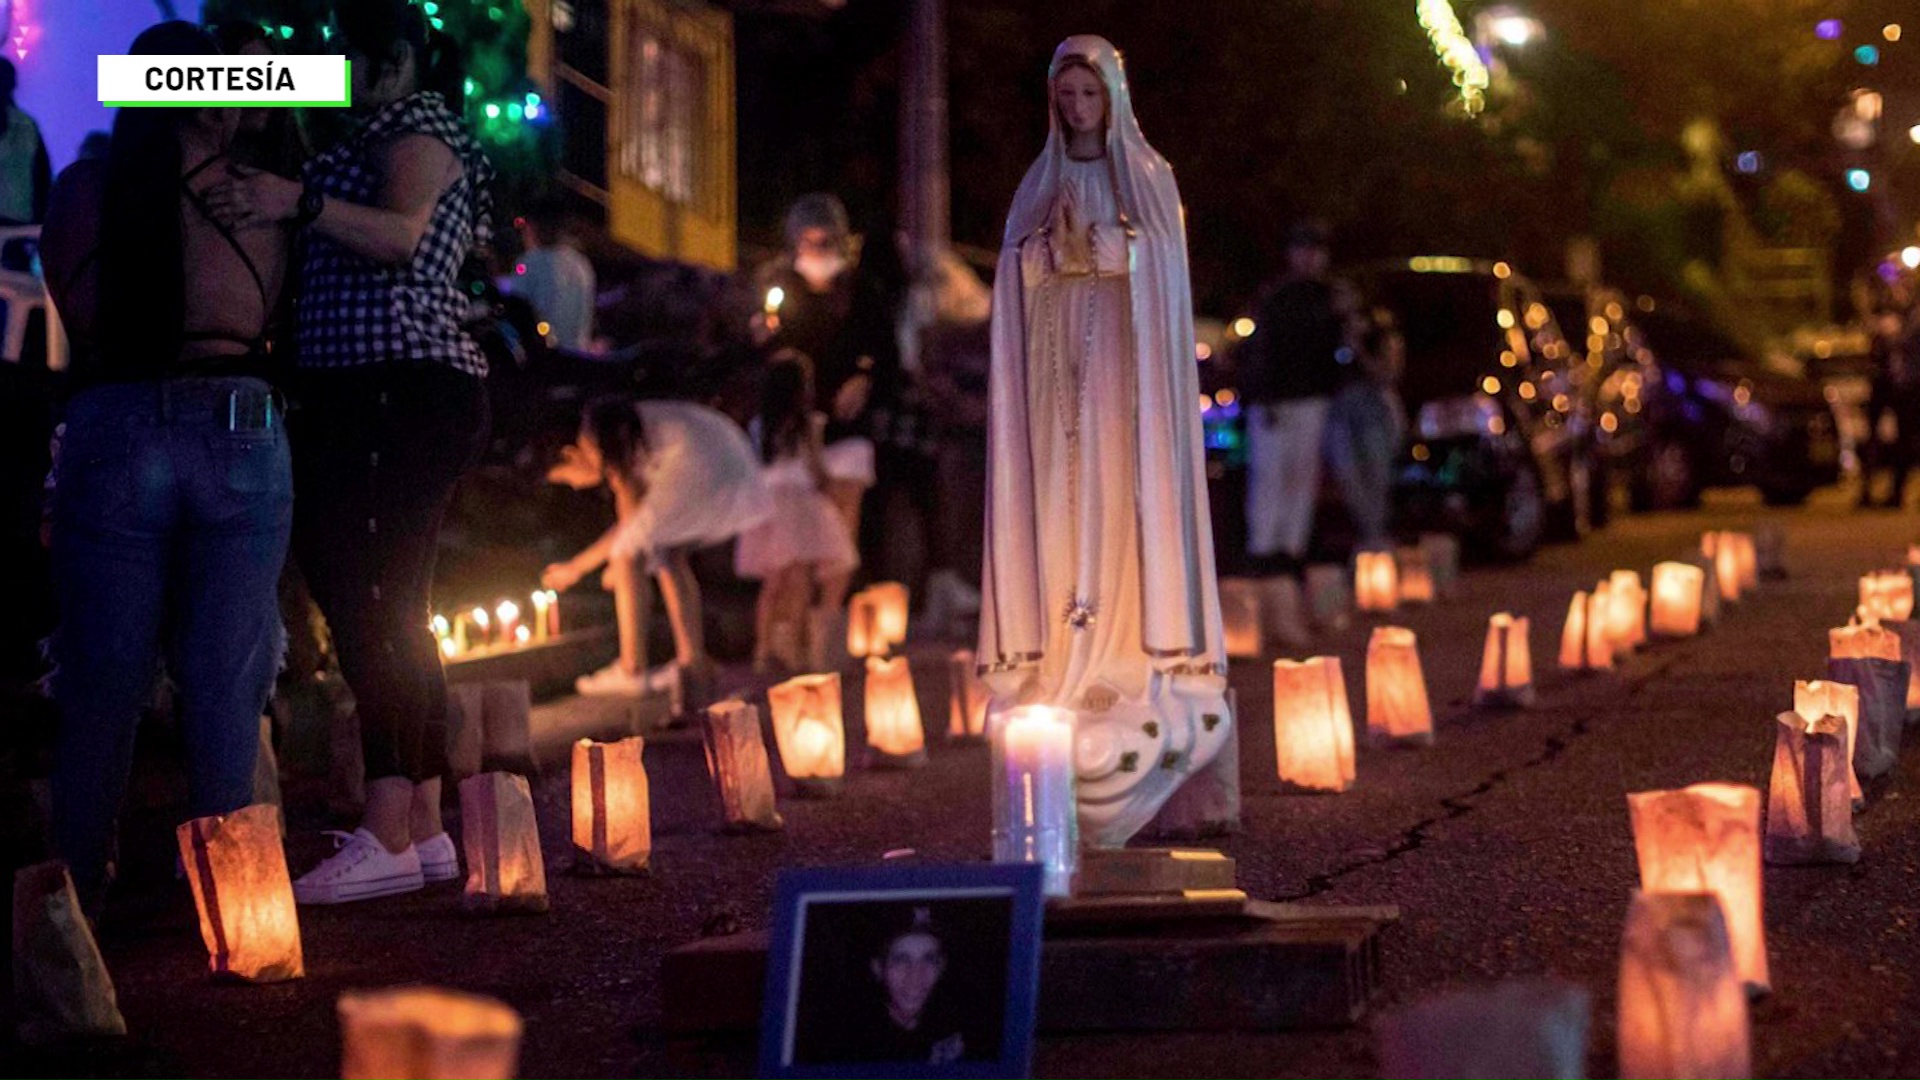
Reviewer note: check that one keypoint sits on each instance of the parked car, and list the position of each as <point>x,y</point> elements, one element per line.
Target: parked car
<point>1687,408</point>
<point>1501,446</point>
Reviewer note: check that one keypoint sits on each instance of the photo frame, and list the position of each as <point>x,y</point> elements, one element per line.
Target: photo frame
<point>903,971</point>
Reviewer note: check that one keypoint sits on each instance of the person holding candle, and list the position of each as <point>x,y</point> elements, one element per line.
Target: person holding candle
<point>683,477</point>
<point>392,410</point>
<point>172,493</point>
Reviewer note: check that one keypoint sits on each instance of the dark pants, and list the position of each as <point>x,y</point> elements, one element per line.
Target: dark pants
<point>171,510</point>
<point>377,452</point>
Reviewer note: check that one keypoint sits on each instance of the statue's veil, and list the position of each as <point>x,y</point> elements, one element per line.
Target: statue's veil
<point>1180,601</point>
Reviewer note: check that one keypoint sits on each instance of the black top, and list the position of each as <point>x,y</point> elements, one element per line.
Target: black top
<point>846,331</point>
<point>1297,347</point>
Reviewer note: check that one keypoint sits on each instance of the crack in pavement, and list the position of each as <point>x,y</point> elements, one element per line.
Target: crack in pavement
<point>1453,807</point>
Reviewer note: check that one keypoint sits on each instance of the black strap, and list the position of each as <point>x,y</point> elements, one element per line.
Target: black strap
<point>259,340</point>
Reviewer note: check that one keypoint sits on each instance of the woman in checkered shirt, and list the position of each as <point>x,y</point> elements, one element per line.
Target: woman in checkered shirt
<point>391,412</point>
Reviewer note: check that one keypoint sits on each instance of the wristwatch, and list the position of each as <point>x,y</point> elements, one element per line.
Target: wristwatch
<point>308,209</point>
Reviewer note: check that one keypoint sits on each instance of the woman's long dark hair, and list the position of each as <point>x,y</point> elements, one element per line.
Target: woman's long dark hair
<point>786,403</point>
<point>143,274</point>
<point>615,425</point>
<point>379,29</point>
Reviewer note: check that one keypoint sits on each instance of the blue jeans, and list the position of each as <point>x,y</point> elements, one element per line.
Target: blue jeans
<point>171,510</point>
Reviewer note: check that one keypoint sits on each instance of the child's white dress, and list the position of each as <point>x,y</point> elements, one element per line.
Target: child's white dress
<point>702,482</point>
<point>804,526</point>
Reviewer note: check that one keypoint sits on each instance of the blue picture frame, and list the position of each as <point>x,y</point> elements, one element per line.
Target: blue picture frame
<point>980,908</point>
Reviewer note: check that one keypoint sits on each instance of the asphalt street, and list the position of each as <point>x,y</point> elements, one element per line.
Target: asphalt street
<point>1506,845</point>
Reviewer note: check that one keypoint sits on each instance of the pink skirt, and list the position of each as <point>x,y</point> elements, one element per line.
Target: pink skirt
<point>804,527</point>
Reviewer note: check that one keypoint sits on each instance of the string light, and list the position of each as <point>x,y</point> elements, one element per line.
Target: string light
<point>1456,51</point>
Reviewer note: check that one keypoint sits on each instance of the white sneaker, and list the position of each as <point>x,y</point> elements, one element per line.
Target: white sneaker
<point>439,859</point>
<point>362,869</point>
<point>666,679</point>
<point>610,681</point>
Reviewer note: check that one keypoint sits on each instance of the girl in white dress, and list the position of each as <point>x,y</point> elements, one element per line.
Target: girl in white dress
<point>683,477</point>
<point>804,548</point>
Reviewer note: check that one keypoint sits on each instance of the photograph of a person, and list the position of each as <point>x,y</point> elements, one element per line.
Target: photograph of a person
<point>920,980</point>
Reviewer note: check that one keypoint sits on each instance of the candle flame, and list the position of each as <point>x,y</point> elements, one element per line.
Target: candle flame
<point>507,611</point>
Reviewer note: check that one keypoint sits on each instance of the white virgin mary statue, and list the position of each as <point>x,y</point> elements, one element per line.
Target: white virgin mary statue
<point>1099,588</point>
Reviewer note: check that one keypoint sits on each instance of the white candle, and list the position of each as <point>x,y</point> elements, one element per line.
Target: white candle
<point>508,614</point>
<point>1035,816</point>
<point>540,627</point>
<point>481,623</point>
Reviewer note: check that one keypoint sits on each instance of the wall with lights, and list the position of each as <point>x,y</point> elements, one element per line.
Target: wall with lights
<point>57,73</point>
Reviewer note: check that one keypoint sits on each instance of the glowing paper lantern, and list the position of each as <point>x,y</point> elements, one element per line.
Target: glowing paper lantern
<point>1706,838</point>
<point>1887,594</point>
<point>1770,550</point>
<point>424,1033</point>
<point>61,988</point>
<point>1416,577</point>
<point>1678,590</point>
<point>1862,639</point>
<point>1240,614</point>
<point>1397,706</point>
<point>1882,684</point>
<point>737,762</point>
<point>810,732</point>
<point>1312,725</point>
<point>877,619</point>
<point>1815,699</point>
<point>612,812</point>
<point>967,705</point>
<point>1376,581</point>
<point>1443,560</point>
<point>1627,611</point>
<point>1909,634</point>
<point>505,871</point>
<point>1746,560</point>
<point>245,898</point>
<point>1506,668</point>
<point>1035,810</point>
<point>1726,566</point>
<point>1809,811</point>
<point>1584,642</point>
<point>894,734</point>
<point>1682,1009</point>
<point>1329,598</point>
<point>1525,1027</point>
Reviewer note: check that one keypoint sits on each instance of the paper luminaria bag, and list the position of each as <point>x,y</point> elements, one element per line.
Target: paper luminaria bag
<point>505,871</point>
<point>1312,725</point>
<point>1443,560</point>
<point>1506,668</point>
<point>1416,577</point>
<point>1683,1011</point>
<point>1397,707</point>
<point>895,736</point>
<point>1817,698</point>
<point>967,699</point>
<point>612,809</point>
<point>877,619</point>
<point>1909,633</point>
<point>61,988</point>
<point>238,871</point>
<point>1809,811</point>
<point>1706,838</point>
<point>737,763</point>
<point>1585,644</point>
<point>1525,1027</point>
<point>1882,685</point>
<point>809,729</point>
<point>1241,618</point>
<point>1628,614</point>
<point>1376,581</point>
<point>424,1033</point>
<point>1678,592</point>
<point>1887,594</point>
<point>1329,599</point>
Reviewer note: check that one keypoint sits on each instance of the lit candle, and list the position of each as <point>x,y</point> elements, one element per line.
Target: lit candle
<point>449,648</point>
<point>481,623</point>
<point>541,629</point>
<point>553,613</point>
<point>460,636</point>
<point>522,635</point>
<point>1035,816</point>
<point>508,614</point>
<point>775,297</point>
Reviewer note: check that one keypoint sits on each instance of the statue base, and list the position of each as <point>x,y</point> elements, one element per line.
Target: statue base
<point>1153,940</point>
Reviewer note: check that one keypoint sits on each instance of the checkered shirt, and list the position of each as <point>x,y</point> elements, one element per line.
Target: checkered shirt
<point>355,311</point>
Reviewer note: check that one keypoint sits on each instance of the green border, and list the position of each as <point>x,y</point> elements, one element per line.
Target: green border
<point>346,100</point>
